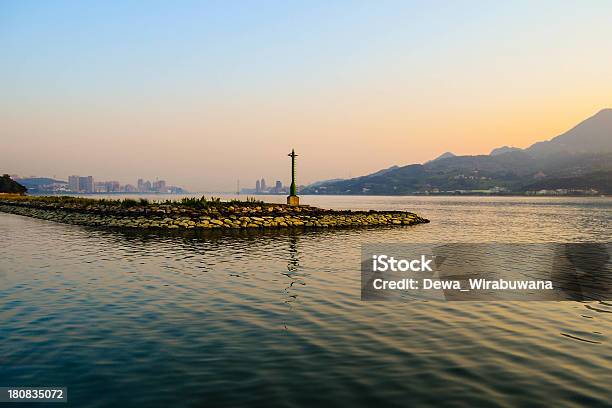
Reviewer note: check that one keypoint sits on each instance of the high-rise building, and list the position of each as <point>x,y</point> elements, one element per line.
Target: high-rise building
<point>100,187</point>
<point>278,187</point>
<point>73,184</point>
<point>107,187</point>
<point>160,186</point>
<point>146,186</point>
<point>140,184</point>
<point>258,186</point>
<point>263,184</point>
<point>113,186</point>
<point>86,184</point>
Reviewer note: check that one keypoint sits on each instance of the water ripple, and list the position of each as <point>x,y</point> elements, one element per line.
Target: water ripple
<point>260,318</point>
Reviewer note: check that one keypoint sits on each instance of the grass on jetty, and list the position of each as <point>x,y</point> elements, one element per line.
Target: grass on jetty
<point>193,212</point>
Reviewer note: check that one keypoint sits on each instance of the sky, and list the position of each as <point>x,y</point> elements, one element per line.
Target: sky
<point>203,93</point>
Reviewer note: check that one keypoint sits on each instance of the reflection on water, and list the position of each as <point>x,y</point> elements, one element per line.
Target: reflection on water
<point>583,269</point>
<point>252,318</point>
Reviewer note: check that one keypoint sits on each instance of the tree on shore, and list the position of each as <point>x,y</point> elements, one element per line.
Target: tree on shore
<point>8,185</point>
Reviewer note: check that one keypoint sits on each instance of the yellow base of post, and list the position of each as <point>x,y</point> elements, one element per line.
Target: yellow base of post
<point>293,201</point>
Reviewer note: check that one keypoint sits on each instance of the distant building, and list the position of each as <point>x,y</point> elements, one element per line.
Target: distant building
<point>73,184</point>
<point>176,190</point>
<point>278,188</point>
<point>258,186</point>
<point>263,184</point>
<point>160,186</point>
<point>78,184</point>
<point>86,184</point>
<point>113,186</point>
<point>497,190</point>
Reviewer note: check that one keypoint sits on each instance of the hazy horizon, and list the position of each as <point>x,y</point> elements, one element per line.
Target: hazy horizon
<point>203,93</point>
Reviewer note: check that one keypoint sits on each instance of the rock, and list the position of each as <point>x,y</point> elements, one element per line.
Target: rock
<point>173,217</point>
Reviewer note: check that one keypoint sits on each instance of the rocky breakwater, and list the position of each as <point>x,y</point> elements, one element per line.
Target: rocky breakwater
<point>194,213</point>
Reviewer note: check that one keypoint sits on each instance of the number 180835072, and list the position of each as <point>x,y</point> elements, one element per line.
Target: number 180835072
<point>46,394</point>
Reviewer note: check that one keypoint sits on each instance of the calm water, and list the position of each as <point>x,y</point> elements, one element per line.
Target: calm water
<point>275,318</point>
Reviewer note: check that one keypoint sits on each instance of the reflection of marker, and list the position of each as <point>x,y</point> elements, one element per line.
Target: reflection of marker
<point>464,290</point>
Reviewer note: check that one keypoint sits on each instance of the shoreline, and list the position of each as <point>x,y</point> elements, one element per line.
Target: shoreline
<point>194,213</point>
<point>161,195</point>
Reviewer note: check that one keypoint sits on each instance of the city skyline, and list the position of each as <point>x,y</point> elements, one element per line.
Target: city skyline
<point>89,185</point>
<point>74,183</point>
<point>208,93</point>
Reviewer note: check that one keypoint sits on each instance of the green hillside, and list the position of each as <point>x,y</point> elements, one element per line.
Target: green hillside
<point>8,185</point>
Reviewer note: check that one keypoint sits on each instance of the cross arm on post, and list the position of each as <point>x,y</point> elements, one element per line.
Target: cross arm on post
<point>293,199</point>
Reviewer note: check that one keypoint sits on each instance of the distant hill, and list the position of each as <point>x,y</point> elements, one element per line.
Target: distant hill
<point>600,181</point>
<point>593,135</point>
<point>318,183</point>
<point>503,150</point>
<point>8,185</point>
<point>384,171</point>
<point>35,182</point>
<point>578,159</point>
<point>444,155</point>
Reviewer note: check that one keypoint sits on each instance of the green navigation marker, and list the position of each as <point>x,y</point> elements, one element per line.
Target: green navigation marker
<point>293,199</point>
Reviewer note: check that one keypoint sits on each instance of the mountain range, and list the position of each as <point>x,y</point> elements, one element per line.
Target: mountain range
<point>579,160</point>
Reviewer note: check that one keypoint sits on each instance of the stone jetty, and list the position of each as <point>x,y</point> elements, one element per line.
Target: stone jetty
<point>195,213</point>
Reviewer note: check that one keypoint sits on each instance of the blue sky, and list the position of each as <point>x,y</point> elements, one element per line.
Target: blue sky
<point>169,88</point>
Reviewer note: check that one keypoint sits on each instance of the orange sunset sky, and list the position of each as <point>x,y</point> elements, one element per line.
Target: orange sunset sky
<point>204,93</point>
